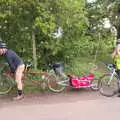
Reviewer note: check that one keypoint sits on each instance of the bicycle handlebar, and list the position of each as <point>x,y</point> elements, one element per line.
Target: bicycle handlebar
<point>110,66</point>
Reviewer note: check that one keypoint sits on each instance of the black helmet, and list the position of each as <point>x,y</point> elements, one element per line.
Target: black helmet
<point>3,45</point>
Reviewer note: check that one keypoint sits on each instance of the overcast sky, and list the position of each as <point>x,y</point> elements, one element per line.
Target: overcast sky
<point>90,1</point>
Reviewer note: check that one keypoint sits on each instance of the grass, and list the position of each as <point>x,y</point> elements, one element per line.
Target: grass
<point>84,66</point>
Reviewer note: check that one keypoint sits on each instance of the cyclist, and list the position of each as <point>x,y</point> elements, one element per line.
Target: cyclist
<point>116,57</point>
<point>16,65</point>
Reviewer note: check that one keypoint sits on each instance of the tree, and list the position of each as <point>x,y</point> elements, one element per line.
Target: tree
<point>98,12</point>
<point>18,20</point>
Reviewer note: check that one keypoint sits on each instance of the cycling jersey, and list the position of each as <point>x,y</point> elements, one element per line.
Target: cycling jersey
<point>117,61</point>
<point>13,60</point>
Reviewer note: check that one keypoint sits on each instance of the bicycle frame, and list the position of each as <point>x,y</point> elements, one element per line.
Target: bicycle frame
<point>44,76</point>
<point>113,73</point>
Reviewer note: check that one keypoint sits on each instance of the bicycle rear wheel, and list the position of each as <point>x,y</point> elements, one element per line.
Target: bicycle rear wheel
<point>108,85</point>
<point>55,83</point>
<point>5,85</point>
<point>95,84</point>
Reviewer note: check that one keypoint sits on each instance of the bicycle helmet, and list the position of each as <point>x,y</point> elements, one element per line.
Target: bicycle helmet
<point>3,45</point>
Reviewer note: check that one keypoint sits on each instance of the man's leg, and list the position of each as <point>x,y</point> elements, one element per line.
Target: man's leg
<point>18,79</point>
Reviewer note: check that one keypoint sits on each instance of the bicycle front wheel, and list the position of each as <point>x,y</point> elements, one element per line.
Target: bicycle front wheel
<point>55,83</point>
<point>5,85</point>
<point>108,85</point>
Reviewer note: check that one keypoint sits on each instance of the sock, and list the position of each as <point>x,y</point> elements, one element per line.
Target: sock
<point>19,92</point>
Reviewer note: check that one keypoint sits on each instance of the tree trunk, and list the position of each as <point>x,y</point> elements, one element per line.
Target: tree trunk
<point>34,50</point>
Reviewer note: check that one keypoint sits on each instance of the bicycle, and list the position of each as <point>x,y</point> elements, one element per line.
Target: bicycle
<point>109,82</point>
<point>73,81</point>
<point>7,79</point>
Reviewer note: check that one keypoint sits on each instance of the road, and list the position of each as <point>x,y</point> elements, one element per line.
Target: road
<point>72,105</point>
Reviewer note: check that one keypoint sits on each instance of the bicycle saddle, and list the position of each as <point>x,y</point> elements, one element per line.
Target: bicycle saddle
<point>58,64</point>
<point>28,65</point>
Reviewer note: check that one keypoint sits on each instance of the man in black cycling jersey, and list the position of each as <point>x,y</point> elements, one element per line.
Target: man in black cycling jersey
<point>16,65</point>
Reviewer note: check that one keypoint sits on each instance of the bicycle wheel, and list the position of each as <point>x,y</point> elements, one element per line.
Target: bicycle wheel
<point>95,84</point>
<point>55,83</point>
<point>108,85</point>
<point>5,85</point>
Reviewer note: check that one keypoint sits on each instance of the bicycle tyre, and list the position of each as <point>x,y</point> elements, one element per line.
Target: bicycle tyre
<point>53,84</point>
<point>5,85</point>
<point>107,89</point>
<point>95,84</point>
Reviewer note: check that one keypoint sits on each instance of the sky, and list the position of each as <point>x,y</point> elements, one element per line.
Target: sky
<point>90,1</point>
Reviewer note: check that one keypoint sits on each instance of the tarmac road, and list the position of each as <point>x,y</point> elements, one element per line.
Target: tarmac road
<point>72,105</point>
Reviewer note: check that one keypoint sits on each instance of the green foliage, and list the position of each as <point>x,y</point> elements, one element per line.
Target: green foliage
<point>82,34</point>
<point>83,66</point>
